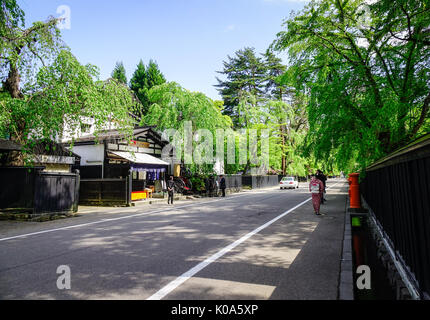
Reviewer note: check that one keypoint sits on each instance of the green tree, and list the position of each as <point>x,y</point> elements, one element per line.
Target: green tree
<point>138,83</point>
<point>143,79</point>
<point>172,106</point>
<point>288,124</point>
<point>44,87</point>
<point>11,16</point>
<point>365,70</point>
<point>119,73</point>
<point>255,98</point>
<point>275,90</point>
<point>154,75</point>
<point>286,113</point>
<point>245,76</point>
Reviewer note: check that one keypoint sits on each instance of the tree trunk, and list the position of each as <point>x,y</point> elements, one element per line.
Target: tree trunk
<point>248,163</point>
<point>384,138</point>
<point>284,164</point>
<point>11,84</point>
<point>282,127</point>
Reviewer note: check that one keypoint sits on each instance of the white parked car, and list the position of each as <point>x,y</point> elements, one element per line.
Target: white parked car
<point>288,182</point>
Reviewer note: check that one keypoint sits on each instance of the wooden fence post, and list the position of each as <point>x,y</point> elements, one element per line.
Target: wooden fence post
<point>129,187</point>
<point>35,187</point>
<point>77,186</point>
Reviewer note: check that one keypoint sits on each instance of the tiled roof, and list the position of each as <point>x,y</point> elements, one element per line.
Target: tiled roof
<point>9,145</point>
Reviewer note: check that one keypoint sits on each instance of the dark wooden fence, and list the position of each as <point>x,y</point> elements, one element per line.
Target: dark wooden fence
<point>397,191</point>
<point>256,182</point>
<point>89,172</point>
<point>56,192</point>
<point>30,189</point>
<point>233,182</point>
<point>105,191</point>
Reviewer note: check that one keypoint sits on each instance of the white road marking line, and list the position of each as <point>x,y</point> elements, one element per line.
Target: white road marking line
<point>160,294</point>
<point>187,275</point>
<point>91,223</point>
<point>120,218</point>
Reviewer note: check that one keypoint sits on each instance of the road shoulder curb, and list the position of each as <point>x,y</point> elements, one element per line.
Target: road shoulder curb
<point>346,281</point>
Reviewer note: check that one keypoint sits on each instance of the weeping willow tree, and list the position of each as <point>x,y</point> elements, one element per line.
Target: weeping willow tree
<point>366,72</point>
<point>175,108</point>
<point>44,86</point>
<point>288,126</point>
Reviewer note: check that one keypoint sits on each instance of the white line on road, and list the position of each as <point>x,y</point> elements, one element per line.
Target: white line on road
<point>94,222</point>
<point>120,218</point>
<point>160,294</point>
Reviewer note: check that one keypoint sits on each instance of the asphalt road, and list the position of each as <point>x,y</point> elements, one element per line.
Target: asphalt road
<point>246,246</point>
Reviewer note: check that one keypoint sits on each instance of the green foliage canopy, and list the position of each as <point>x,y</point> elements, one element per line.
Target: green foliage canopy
<point>45,89</point>
<point>172,105</point>
<point>143,79</point>
<point>119,73</point>
<point>365,69</point>
<point>245,76</point>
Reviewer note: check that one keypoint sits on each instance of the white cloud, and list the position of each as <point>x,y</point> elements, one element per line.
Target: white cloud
<point>230,27</point>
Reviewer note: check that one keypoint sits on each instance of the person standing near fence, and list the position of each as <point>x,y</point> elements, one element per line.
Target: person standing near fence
<point>222,185</point>
<point>170,190</point>
<point>316,187</point>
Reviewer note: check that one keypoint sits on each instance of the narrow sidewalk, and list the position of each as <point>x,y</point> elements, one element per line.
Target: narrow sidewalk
<point>315,272</point>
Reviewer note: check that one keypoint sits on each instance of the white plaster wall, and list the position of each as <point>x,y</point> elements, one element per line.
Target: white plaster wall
<point>68,134</point>
<point>90,155</point>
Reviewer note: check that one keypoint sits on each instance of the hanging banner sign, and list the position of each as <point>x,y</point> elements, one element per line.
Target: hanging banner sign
<point>140,144</point>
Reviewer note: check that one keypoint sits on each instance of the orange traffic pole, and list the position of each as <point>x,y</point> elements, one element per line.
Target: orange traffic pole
<point>354,191</point>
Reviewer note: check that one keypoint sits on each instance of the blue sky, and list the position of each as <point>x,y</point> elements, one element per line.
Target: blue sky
<point>189,39</point>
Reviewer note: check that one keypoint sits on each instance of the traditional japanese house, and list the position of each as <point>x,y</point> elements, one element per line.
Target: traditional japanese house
<point>45,185</point>
<point>49,155</point>
<point>110,156</point>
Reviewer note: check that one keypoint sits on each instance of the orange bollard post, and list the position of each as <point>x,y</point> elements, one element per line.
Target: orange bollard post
<point>354,191</point>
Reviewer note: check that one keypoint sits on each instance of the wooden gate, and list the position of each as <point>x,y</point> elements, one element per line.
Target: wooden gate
<point>56,192</point>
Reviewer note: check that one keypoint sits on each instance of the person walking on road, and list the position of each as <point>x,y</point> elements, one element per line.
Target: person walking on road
<point>222,185</point>
<point>316,187</point>
<point>320,176</point>
<point>170,190</point>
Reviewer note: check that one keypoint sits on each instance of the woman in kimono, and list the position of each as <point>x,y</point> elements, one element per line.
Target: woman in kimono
<point>316,187</point>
